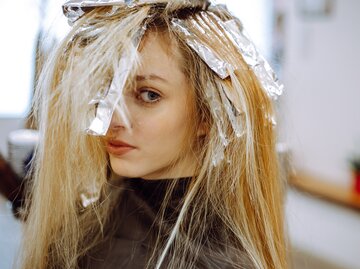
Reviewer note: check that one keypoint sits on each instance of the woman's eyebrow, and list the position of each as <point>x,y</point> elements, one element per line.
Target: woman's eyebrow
<point>150,77</point>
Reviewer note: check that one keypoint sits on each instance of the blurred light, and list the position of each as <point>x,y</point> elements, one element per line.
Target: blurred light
<point>21,22</point>
<point>17,54</point>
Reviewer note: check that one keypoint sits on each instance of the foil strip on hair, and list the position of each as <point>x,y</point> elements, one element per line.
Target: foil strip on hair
<point>204,25</point>
<point>113,99</point>
<point>217,111</point>
<point>74,9</point>
<point>89,198</point>
<point>235,119</point>
<point>248,50</point>
<point>222,68</point>
<point>218,65</point>
<point>106,105</point>
<point>253,58</point>
<point>87,31</point>
<point>240,39</point>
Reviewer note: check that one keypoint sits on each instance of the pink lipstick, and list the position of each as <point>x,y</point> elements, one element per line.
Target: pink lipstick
<point>118,147</point>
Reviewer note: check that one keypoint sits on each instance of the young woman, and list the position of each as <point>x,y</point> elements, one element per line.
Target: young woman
<point>177,167</point>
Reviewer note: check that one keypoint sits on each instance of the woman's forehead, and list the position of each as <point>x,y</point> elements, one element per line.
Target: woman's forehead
<point>160,57</point>
<point>163,39</point>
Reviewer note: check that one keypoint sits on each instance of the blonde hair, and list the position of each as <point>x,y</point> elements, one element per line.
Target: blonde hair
<point>242,197</point>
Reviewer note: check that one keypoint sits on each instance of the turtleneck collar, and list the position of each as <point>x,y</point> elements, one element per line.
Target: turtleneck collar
<point>152,192</point>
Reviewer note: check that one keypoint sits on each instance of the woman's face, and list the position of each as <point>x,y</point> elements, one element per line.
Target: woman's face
<point>161,114</point>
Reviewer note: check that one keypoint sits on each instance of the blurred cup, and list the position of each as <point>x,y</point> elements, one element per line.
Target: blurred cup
<point>21,146</point>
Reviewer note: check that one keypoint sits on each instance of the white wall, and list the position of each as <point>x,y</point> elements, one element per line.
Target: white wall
<point>322,77</point>
<point>17,46</point>
<point>323,235</point>
<point>17,56</point>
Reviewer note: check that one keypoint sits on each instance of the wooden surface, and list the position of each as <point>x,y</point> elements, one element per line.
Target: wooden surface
<point>327,190</point>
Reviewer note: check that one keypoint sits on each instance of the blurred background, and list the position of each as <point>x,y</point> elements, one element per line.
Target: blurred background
<point>313,45</point>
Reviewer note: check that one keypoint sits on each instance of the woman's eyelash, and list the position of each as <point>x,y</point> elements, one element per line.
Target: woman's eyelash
<point>147,96</point>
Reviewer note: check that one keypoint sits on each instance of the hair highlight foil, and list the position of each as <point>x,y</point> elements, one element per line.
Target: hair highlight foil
<point>191,28</point>
<point>113,100</point>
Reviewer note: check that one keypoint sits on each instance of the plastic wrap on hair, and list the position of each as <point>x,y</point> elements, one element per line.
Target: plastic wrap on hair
<point>219,66</point>
<point>113,99</point>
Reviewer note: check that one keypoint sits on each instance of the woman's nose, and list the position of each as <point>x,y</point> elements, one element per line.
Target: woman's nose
<point>119,121</point>
<point>116,122</point>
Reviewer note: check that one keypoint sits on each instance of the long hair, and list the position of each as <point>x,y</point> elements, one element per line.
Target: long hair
<point>232,212</point>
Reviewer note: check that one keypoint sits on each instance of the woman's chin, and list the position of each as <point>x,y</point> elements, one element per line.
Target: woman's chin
<point>125,173</point>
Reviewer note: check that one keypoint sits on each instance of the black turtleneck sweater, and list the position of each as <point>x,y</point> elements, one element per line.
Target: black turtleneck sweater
<point>131,239</point>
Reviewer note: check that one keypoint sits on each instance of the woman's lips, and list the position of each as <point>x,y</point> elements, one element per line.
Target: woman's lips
<point>118,147</point>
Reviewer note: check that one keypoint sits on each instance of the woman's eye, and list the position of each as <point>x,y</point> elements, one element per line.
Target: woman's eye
<point>148,96</point>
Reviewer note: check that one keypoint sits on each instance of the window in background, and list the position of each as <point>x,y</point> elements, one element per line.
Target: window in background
<point>21,21</point>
